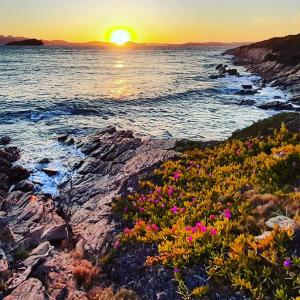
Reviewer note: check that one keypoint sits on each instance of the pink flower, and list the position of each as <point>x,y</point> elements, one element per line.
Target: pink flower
<point>126,209</point>
<point>287,263</point>
<point>174,209</point>
<point>194,230</point>
<point>158,190</point>
<point>227,214</point>
<point>126,230</point>
<point>177,175</point>
<point>163,206</point>
<point>170,191</point>
<point>214,231</point>
<point>188,228</point>
<point>190,238</point>
<point>148,227</point>
<point>198,224</point>
<point>212,217</point>
<point>203,228</point>
<point>155,227</point>
<point>117,244</point>
<point>142,209</point>
<point>229,204</point>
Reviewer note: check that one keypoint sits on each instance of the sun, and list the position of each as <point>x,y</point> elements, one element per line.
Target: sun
<point>120,36</point>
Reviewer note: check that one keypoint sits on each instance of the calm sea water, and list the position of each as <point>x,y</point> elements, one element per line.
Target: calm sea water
<point>46,92</point>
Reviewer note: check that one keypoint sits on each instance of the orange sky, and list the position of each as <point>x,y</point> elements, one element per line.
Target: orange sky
<point>173,21</point>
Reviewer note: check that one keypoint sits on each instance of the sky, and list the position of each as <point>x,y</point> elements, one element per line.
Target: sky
<point>159,21</point>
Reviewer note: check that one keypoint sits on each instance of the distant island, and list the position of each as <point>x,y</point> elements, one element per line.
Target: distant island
<point>26,42</point>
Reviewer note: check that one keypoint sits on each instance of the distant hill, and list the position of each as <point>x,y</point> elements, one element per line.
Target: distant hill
<point>56,43</point>
<point>30,42</point>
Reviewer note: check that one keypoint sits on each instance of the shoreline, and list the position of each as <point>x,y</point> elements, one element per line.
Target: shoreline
<point>82,215</point>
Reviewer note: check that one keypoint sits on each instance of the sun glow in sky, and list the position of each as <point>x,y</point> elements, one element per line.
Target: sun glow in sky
<point>167,21</point>
<point>120,37</point>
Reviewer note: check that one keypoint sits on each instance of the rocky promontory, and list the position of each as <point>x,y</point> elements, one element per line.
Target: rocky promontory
<point>277,60</point>
<point>29,42</point>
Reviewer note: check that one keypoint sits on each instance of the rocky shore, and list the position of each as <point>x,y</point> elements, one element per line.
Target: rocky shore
<point>52,248</point>
<point>276,60</point>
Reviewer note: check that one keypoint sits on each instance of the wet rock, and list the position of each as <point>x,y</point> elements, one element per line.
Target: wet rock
<point>233,72</point>
<point>277,97</point>
<point>5,140</point>
<point>247,86</point>
<point>17,173</point>
<point>44,161</point>
<point>246,92</point>
<point>276,105</point>
<point>31,289</point>
<point>247,102</point>
<point>50,172</point>
<point>282,222</point>
<point>63,138</point>
<point>25,186</point>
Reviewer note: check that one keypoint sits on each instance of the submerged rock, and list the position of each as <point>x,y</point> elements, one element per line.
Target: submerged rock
<point>277,105</point>
<point>5,140</point>
<point>50,172</point>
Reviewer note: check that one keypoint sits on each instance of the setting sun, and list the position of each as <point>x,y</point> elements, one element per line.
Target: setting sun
<point>120,36</point>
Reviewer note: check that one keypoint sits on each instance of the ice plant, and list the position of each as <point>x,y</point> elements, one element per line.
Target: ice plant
<point>194,228</point>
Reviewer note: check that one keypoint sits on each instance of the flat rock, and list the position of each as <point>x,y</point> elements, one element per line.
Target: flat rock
<point>282,222</point>
<point>31,289</point>
<point>50,172</point>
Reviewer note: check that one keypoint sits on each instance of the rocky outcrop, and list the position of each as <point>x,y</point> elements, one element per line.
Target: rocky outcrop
<point>116,161</point>
<point>48,240</point>
<point>277,60</point>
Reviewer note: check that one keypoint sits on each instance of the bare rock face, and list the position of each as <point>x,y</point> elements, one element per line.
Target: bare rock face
<point>32,289</point>
<point>277,60</point>
<point>116,161</point>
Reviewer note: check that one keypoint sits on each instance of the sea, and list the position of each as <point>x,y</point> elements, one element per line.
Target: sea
<point>46,92</point>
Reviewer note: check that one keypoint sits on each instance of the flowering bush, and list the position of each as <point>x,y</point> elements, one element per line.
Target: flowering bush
<point>198,211</point>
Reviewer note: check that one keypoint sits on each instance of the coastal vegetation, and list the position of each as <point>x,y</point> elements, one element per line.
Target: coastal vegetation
<point>220,207</point>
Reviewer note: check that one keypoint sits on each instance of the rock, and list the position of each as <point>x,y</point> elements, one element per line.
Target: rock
<point>31,289</point>
<point>66,139</point>
<point>277,97</point>
<point>263,236</point>
<point>247,102</point>
<point>50,172</point>
<point>246,92</point>
<point>5,140</point>
<point>18,173</point>
<point>63,138</point>
<point>233,72</point>
<point>25,186</point>
<point>282,222</point>
<point>247,86</point>
<point>37,254</point>
<point>276,105</point>
<point>44,161</point>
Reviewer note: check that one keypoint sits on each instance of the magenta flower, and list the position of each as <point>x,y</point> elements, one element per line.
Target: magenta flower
<point>142,209</point>
<point>198,225</point>
<point>188,228</point>
<point>212,217</point>
<point>126,209</point>
<point>287,263</point>
<point>170,191</point>
<point>177,175</point>
<point>155,227</point>
<point>203,228</point>
<point>176,270</point>
<point>174,209</point>
<point>227,214</point>
<point>190,238</point>
<point>194,230</point>
<point>214,231</point>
